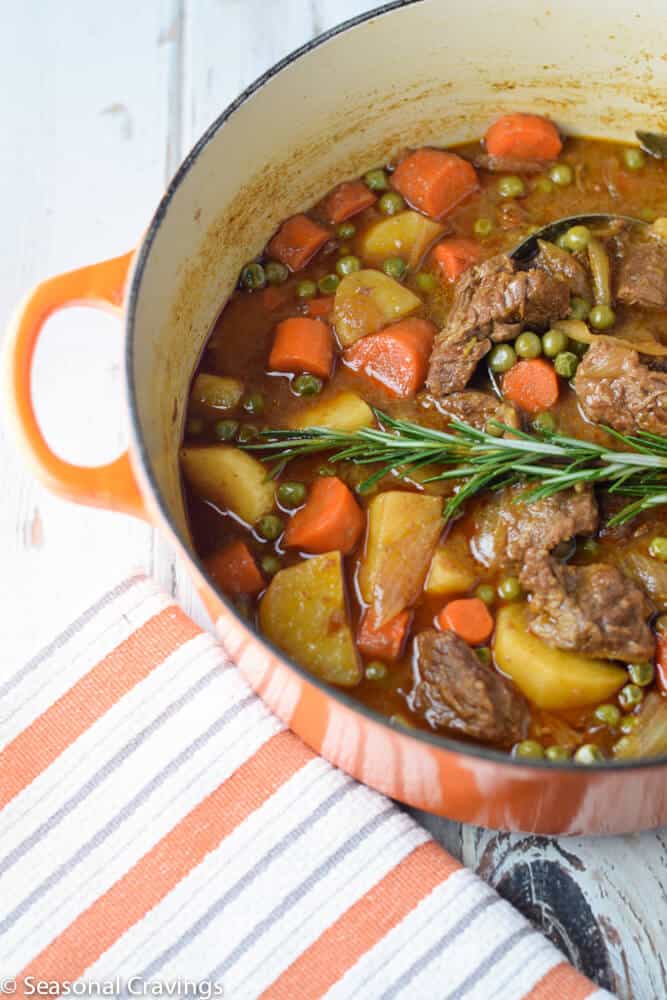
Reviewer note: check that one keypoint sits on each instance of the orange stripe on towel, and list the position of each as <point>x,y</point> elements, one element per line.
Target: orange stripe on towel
<point>562,981</point>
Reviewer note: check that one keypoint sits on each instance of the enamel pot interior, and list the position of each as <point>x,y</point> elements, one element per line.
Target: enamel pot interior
<point>409,74</point>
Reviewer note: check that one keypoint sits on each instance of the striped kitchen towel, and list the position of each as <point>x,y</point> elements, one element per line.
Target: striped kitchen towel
<point>162,834</point>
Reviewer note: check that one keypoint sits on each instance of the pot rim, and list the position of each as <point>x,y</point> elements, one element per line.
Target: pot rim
<point>433,740</point>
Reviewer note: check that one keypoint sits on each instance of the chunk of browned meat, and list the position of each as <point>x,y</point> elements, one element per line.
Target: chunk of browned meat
<point>477,408</point>
<point>508,529</point>
<point>616,389</point>
<point>642,276</point>
<point>561,264</point>
<point>592,609</point>
<point>509,164</point>
<point>454,690</point>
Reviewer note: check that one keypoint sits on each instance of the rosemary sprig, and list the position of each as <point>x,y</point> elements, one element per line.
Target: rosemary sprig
<point>478,460</point>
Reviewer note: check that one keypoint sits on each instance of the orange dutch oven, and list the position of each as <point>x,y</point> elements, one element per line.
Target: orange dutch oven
<point>406,74</point>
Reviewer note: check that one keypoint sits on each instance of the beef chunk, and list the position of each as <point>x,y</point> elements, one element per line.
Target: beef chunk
<point>508,164</point>
<point>491,303</point>
<point>592,609</point>
<point>642,276</point>
<point>454,690</point>
<point>561,264</point>
<point>616,389</point>
<point>508,529</point>
<point>476,408</point>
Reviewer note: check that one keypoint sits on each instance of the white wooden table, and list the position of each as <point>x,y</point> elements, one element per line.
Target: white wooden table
<point>100,103</point>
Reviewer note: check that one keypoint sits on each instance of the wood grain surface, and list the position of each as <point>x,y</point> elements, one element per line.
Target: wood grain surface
<point>100,104</point>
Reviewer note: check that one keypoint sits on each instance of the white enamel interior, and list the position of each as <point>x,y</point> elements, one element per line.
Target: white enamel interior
<point>435,71</point>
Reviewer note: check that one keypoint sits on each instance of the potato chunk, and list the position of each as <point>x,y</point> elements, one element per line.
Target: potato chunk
<point>551,678</point>
<point>345,412</point>
<point>407,235</point>
<point>403,531</point>
<point>304,613</point>
<point>368,300</point>
<point>229,478</point>
<point>215,392</point>
<point>452,569</point>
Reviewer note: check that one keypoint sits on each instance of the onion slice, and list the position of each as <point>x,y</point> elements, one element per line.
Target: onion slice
<point>577,330</point>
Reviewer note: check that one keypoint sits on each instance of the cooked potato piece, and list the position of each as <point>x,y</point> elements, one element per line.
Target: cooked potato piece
<point>344,412</point>
<point>368,300</point>
<point>407,235</point>
<point>452,568</point>
<point>303,612</point>
<point>229,478</point>
<point>403,531</point>
<point>217,392</point>
<point>551,678</point>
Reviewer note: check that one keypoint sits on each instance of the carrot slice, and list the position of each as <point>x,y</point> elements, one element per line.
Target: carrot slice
<point>235,570</point>
<point>532,385</point>
<point>322,306</point>
<point>297,241</point>
<point>396,357</point>
<point>661,662</point>
<point>454,256</point>
<point>347,200</point>
<point>434,181</point>
<point>302,344</point>
<point>469,617</point>
<point>385,642</point>
<point>527,137</point>
<point>330,520</point>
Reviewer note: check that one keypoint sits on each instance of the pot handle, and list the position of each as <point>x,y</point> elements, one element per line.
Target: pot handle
<point>112,486</point>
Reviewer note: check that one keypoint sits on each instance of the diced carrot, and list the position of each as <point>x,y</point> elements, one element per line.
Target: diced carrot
<point>235,570</point>
<point>469,617</point>
<point>330,520</point>
<point>532,385</point>
<point>347,200</point>
<point>396,357</point>
<point>526,137</point>
<point>661,662</point>
<point>321,306</point>
<point>297,241</point>
<point>302,344</point>
<point>434,181</point>
<point>455,256</point>
<point>385,642</point>
<point>275,296</point>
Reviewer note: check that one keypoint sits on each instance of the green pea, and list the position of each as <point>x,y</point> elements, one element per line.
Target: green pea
<point>376,180</point>
<point>630,696</point>
<point>247,433</point>
<point>346,230</point>
<point>544,185</point>
<point>628,723</point>
<point>483,654</point>
<point>633,158</point>
<point>553,342</point>
<point>528,345</point>
<point>307,385</point>
<point>561,174</point>
<point>291,494</point>
<point>660,625</point>
<point>579,308</point>
<point>566,364</point>
<point>486,593</point>
<point>589,547</point>
<point>509,589</point>
<point>225,430</point>
<point>511,187</point>
<point>601,317</point>
<point>608,715</point>
<point>556,753</point>
<point>395,267</point>
<point>528,750</point>
<point>589,753</point>
<point>560,242</point>
<point>491,427</point>
<point>425,282</point>
<point>658,548</point>
<point>269,527</point>
<point>194,426</point>
<point>306,289</point>
<point>544,423</point>
<point>328,284</point>
<point>391,203</point>
<point>253,276</point>
<point>348,265</point>
<point>326,470</point>
<point>647,214</point>
<point>271,565</point>
<point>276,273</point>
<point>253,404</point>
<point>376,671</point>
<point>641,674</point>
<point>501,358</point>
<point>577,238</point>
<point>578,347</point>
<point>482,227</point>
